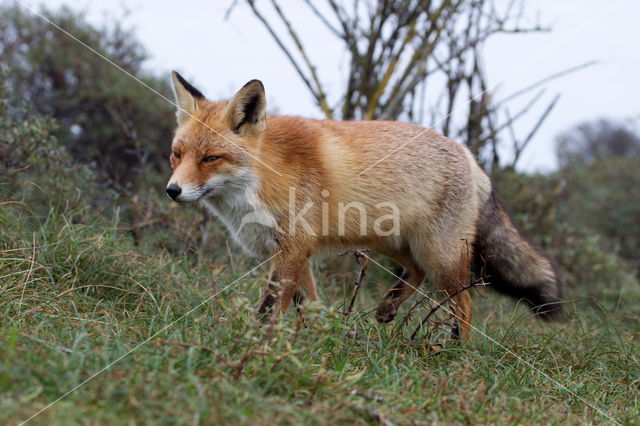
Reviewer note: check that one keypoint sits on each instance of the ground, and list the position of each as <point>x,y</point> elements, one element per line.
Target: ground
<point>95,329</point>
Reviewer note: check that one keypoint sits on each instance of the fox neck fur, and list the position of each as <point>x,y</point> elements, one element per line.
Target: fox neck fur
<point>245,216</point>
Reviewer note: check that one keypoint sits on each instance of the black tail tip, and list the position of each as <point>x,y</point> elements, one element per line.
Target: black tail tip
<point>548,305</point>
<point>543,299</point>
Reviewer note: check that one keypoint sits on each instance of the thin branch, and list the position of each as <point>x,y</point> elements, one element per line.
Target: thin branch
<point>321,96</point>
<point>416,65</point>
<point>357,285</point>
<point>534,130</point>
<point>42,342</point>
<point>548,79</point>
<point>392,63</point>
<point>407,317</point>
<point>230,9</point>
<point>449,298</point>
<point>324,20</point>
<point>512,119</point>
<point>286,51</point>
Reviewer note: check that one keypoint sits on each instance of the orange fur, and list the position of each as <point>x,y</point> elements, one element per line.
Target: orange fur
<point>436,185</point>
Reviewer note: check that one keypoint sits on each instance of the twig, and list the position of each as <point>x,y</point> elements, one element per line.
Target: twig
<point>284,49</point>
<point>312,83</point>
<point>230,9</point>
<point>406,318</point>
<point>449,298</point>
<point>369,397</point>
<point>359,251</point>
<point>42,342</point>
<point>379,419</point>
<point>547,79</point>
<point>324,20</point>
<point>534,130</point>
<point>356,286</point>
<point>322,97</point>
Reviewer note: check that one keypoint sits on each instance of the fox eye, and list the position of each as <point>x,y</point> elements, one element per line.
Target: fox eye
<point>210,159</point>
<point>176,154</point>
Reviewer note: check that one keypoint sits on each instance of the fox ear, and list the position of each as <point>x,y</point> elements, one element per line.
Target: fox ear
<point>186,95</point>
<point>246,111</point>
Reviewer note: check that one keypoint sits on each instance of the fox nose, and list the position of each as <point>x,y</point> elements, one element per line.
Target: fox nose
<point>173,190</point>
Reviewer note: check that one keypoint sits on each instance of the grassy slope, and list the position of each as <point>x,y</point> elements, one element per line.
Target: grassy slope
<point>86,288</point>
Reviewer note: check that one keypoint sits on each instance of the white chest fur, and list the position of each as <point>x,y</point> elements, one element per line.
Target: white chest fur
<point>247,219</point>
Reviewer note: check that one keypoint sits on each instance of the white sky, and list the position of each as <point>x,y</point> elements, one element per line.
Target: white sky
<point>219,56</point>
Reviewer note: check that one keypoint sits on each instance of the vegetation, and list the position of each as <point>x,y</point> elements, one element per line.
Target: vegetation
<point>117,307</point>
<point>418,61</point>
<point>103,115</point>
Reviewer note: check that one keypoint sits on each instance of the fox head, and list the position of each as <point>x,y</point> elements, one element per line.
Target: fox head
<point>210,150</point>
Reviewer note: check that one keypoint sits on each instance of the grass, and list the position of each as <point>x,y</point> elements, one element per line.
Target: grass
<point>76,296</point>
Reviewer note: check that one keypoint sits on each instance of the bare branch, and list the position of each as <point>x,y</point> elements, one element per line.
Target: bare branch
<point>548,79</point>
<point>395,47</point>
<point>441,303</point>
<point>534,130</point>
<point>230,9</point>
<point>356,286</point>
<point>287,53</point>
<point>42,342</point>
<point>321,96</point>
<point>324,20</point>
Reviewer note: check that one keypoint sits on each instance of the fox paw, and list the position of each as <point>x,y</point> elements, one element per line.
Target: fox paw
<point>386,312</point>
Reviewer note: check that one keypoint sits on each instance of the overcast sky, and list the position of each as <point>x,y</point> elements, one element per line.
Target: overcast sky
<point>219,56</point>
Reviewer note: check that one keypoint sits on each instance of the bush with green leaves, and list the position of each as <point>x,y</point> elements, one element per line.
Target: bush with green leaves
<point>38,170</point>
<point>549,209</point>
<point>104,116</point>
<point>601,178</point>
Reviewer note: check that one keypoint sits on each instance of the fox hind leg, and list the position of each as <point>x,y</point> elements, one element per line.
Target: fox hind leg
<point>461,304</point>
<point>461,308</point>
<point>452,276</point>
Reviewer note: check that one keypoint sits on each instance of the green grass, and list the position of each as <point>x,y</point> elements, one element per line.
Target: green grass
<point>77,296</point>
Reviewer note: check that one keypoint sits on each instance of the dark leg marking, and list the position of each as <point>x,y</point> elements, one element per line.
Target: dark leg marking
<point>298,299</point>
<point>455,330</point>
<point>266,307</point>
<point>388,310</point>
<point>397,288</point>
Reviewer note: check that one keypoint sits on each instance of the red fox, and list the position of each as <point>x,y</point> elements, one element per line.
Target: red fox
<point>294,187</point>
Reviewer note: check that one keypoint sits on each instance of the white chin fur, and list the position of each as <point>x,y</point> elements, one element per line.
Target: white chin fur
<point>234,200</point>
<point>215,186</point>
<point>189,193</point>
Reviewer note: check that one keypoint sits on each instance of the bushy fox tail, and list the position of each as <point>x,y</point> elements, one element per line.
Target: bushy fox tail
<point>512,265</point>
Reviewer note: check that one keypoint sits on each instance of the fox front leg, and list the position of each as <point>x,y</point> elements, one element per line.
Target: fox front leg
<point>284,282</point>
<point>271,295</point>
